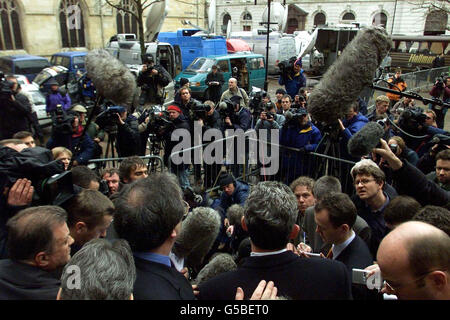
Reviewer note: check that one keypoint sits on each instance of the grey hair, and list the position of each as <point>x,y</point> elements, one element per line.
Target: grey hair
<point>233,79</point>
<point>235,213</point>
<point>325,185</point>
<point>270,214</point>
<point>107,272</point>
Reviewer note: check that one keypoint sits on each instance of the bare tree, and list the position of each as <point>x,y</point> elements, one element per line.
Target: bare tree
<point>441,7</point>
<point>136,9</point>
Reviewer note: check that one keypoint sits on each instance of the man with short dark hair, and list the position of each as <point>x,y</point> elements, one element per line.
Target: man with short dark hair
<point>132,168</point>
<point>215,81</point>
<point>335,215</point>
<point>436,216</point>
<point>414,260</point>
<point>442,174</point>
<point>270,215</point>
<point>26,137</point>
<point>279,95</point>
<point>89,215</point>
<point>112,178</point>
<point>107,270</point>
<point>38,245</point>
<point>302,188</point>
<point>148,215</point>
<point>400,209</point>
<point>371,200</point>
<point>85,178</point>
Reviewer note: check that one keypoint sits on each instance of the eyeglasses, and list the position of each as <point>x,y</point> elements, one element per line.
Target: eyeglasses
<point>396,287</point>
<point>363,181</point>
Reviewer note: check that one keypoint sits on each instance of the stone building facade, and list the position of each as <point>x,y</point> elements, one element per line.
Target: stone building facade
<point>43,27</point>
<point>398,17</point>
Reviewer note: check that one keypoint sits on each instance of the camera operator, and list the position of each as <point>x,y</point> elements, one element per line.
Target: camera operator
<point>128,140</point>
<point>396,83</point>
<point>440,90</point>
<point>441,176</point>
<point>15,109</point>
<point>299,102</point>
<point>179,121</point>
<point>56,97</point>
<point>208,118</point>
<point>269,119</point>
<point>152,79</point>
<point>67,132</point>
<point>297,132</point>
<point>292,76</point>
<point>402,105</point>
<point>187,104</point>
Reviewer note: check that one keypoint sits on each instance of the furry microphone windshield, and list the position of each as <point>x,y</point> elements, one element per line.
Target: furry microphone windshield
<point>111,78</point>
<point>221,263</point>
<point>348,75</point>
<point>362,142</point>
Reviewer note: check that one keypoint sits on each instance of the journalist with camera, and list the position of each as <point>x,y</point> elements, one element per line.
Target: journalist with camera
<point>187,104</point>
<point>297,132</point>
<point>269,119</point>
<point>152,79</point>
<point>15,108</point>
<point>440,90</point>
<point>177,121</point>
<point>292,76</point>
<point>67,131</point>
<point>56,96</point>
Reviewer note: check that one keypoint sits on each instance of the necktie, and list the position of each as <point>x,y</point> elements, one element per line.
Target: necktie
<point>330,253</point>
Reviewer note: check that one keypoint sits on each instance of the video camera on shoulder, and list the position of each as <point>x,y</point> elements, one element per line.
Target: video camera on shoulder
<point>6,86</point>
<point>108,118</point>
<point>287,66</point>
<point>62,121</point>
<point>440,81</point>
<point>294,115</point>
<point>411,119</point>
<point>200,111</point>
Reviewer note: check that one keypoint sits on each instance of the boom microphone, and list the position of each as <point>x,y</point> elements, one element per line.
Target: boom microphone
<point>198,233</point>
<point>362,142</point>
<point>348,75</point>
<point>111,78</point>
<point>221,263</point>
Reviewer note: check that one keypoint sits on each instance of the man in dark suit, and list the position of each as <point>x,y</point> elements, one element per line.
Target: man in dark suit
<point>335,216</point>
<point>323,186</point>
<point>38,246</point>
<point>269,217</point>
<point>148,215</point>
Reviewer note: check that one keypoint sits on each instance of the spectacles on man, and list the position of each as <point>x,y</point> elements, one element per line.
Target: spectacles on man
<point>395,287</point>
<point>363,181</point>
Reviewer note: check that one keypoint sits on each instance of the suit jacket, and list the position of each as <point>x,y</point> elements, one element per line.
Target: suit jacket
<point>295,277</point>
<point>155,281</point>
<point>314,240</point>
<point>19,281</point>
<point>357,255</point>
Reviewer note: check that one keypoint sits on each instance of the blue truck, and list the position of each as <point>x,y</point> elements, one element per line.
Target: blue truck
<point>193,44</point>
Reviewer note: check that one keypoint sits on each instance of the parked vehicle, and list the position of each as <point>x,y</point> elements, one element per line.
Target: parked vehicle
<point>37,99</point>
<point>72,60</point>
<point>26,65</point>
<point>248,68</point>
<point>65,79</point>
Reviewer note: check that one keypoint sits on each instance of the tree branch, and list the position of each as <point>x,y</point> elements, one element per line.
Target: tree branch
<point>148,5</point>
<point>121,8</point>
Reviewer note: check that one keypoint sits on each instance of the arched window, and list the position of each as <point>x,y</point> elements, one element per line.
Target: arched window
<point>225,20</point>
<point>126,22</point>
<point>71,24</point>
<point>380,19</point>
<point>10,32</point>
<point>319,19</point>
<point>246,21</point>
<point>436,23</point>
<point>348,16</point>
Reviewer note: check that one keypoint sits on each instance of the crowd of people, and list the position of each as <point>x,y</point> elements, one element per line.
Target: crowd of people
<point>200,231</point>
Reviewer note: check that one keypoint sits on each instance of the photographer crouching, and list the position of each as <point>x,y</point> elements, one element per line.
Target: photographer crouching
<point>440,90</point>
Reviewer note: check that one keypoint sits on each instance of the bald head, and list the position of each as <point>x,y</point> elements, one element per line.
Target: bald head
<point>410,254</point>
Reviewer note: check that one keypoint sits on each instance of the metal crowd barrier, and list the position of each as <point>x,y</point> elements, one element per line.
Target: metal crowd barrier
<point>254,166</point>
<point>154,163</point>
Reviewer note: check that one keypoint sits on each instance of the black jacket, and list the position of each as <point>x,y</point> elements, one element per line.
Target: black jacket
<point>19,281</point>
<point>295,277</point>
<point>15,116</point>
<point>149,83</point>
<point>128,138</point>
<point>214,91</point>
<point>179,123</point>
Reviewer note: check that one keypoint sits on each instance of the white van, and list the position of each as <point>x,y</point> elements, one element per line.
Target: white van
<point>281,46</point>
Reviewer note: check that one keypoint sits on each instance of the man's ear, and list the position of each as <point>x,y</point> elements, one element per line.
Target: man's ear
<point>41,259</point>
<point>243,224</point>
<point>345,228</point>
<point>58,296</point>
<point>294,232</point>
<point>80,227</point>
<point>438,280</point>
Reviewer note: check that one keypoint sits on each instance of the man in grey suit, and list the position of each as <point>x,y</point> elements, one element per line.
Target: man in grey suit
<point>312,240</point>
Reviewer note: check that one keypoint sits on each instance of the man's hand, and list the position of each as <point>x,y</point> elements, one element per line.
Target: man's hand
<point>154,72</point>
<point>195,289</point>
<point>228,121</point>
<point>185,272</point>
<point>341,125</point>
<point>262,292</point>
<point>21,193</point>
<point>120,119</point>
<point>393,161</point>
<point>97,140</point>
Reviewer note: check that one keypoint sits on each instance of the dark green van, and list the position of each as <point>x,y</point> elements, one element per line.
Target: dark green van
<point>248,68</point>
